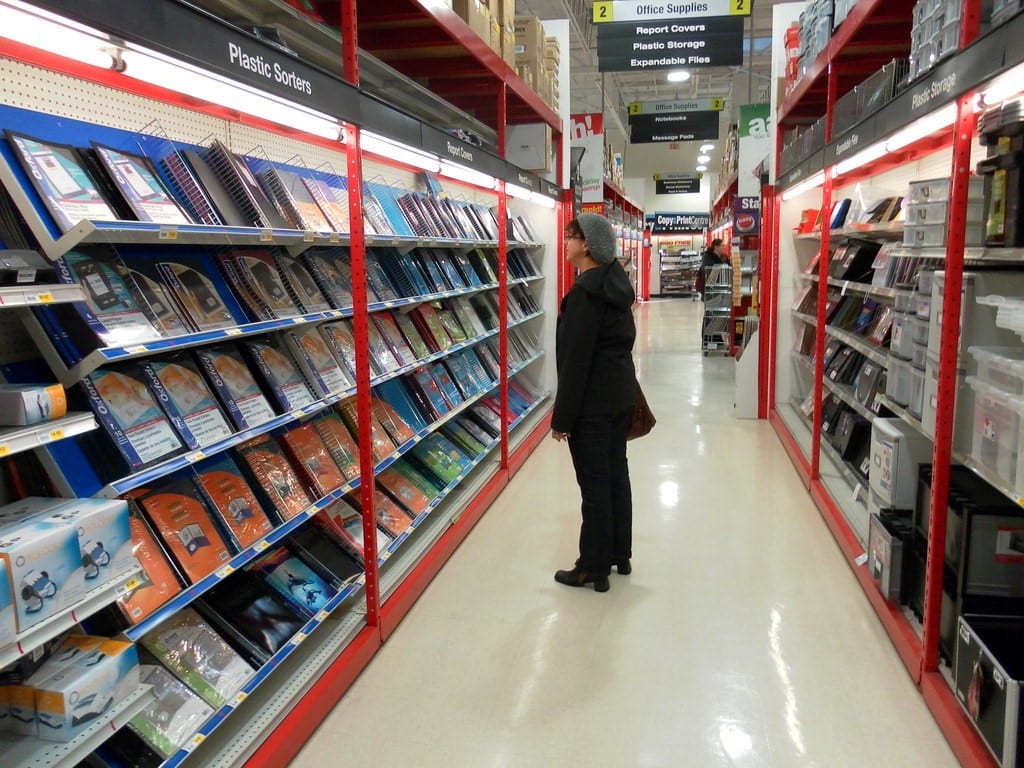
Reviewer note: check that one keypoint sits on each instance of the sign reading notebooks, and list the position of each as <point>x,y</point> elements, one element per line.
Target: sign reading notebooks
<point>684,126</point>
<point>676,183</point>
<point>636,47</point>
<point>187,34</point>
<point>678,223</point>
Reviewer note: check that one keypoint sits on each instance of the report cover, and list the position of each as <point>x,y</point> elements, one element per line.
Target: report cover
<point>189,401</point>
<point>446,384</point>
<point>312,353</point>
<point>390,516</point>
<point>110,310</point>
<point>451,325</point>
<point>425,384</point>
<point>278,373</point>
<point>441,456</point>
<point>412,335</point>
<point>382,359</point>
<point>301,285</point>
<point>377,281</point>
<point>234,384</point>
<point>396,342</point>
<point>139,183</point>
<point>463,376</point>
<point>202,191</point>
<point>245,191</point>
<point>438,280</point>
<point>430,327</point>
<point>251,301</point>
<point>187,645</point>
<point>189,280</point>
<point>399,487</point>
<point>292,195</point>
<point>396,393</point>
<point>294,580</point>
<point>151,297</point>
<point>346,522</point>
<point>257,268</point>
<point>228,494</point>
<point>173,716</point>
<point>131,416</point>
<point>332,273</point>
<point>321,548</point>
<point>339,336</point>
<point>309,454</point>
<point>156,584</point>
<point>430,486</point>
<point>273,478</point>
<point>61,181</point>
<point>467,315</point>
<point>339,443</point>
<point>381,442</point>
<point>399,431</point>
<point>459,435</point>
<point>180,517</point>
<point>333,201</point>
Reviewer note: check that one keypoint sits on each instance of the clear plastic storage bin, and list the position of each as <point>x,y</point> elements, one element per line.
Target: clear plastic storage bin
<point>1001,367</point>
<point>897,382</point>
<point>901,343</point>
<point>995,435</point>
<point>916,404</point>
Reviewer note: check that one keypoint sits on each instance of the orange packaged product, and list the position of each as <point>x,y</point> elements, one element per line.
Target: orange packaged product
<point>403,491</point>
<point>180,517</point>
<point>340,443</point>
<point>311,456</point>
<point>230,496</point>
<point>390,516</point>
<point>273,478</point>
<point>158,584</point>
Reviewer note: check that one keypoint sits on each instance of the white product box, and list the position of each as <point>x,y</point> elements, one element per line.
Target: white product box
<point>44,569</point>
<point>104,535</point>
<point>23,404</point>
<point>897,452</point>
<point>22,698</point>
<point>70,700</point>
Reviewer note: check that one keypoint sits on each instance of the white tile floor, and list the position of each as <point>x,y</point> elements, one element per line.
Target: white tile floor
<point>740,639</point>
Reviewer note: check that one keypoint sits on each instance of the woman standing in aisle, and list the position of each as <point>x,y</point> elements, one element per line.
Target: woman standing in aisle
<point>594,402</point>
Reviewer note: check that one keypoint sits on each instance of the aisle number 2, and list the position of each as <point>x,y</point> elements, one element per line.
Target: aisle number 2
<point>605,11</point>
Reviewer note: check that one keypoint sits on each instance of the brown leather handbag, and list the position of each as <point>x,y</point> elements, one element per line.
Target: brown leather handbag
<point>643,420</point>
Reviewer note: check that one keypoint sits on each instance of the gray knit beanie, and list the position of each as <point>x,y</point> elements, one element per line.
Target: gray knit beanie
<point>599,235</point>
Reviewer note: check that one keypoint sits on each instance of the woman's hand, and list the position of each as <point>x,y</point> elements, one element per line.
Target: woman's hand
<point>559,436</point>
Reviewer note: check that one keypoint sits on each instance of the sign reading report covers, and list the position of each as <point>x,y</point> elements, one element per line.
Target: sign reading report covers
<point>638,47</point>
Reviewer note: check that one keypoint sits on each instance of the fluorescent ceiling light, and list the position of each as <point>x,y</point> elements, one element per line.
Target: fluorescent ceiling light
<point>1008,84</point>
<point>706,147</point>
<point>804,186</point>
<point>703,159</point>
<point>919,129</point>
<point>678,76</point>
<point>393,150</point>
<point>40,29</point>
<point>701,168</point>
<point>467,175</point>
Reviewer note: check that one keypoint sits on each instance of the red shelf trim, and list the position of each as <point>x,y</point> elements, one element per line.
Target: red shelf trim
<point>793,449</point>
<point>963,739</point>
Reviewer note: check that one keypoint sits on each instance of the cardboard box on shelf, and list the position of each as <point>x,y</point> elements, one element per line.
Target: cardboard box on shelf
<point>495,37</point>
<point>529,40</point>
<point>528,146</point>
<point>505,10</point>
<point>525,72</point>
<point>508,44</point>
<point>476,14</point>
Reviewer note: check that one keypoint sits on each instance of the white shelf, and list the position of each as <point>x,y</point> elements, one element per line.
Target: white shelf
<point>17,439</point>
<point>98,598</point>
<point>35,753</point>
<point>38,295</point>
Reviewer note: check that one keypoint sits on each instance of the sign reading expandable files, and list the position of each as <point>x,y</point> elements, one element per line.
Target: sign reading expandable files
<point>607,11</point>
<point>682,126</point>
<point>637,47</point>
<point>676,183</point>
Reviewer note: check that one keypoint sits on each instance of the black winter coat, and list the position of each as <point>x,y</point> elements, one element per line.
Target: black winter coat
<point>593,347</point>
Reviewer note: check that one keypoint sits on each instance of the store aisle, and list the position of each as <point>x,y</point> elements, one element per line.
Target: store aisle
<point>741,638</point>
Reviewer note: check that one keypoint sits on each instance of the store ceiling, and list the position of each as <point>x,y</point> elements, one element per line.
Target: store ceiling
<point>611,92</point>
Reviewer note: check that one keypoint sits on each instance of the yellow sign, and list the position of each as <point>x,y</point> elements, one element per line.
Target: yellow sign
<point>740,7</point>
<point>603,11</point>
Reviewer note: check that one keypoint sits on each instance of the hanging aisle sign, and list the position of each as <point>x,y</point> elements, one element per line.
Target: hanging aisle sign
<point>716,104</point>
<point>632,47</point>
<point>685,126</point>
<point>678,223</point>
<point>607,11</point>
<point>676,183</point>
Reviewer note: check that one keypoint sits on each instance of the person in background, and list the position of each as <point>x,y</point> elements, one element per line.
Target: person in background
<point>594,401</point>
<point>713,256</point>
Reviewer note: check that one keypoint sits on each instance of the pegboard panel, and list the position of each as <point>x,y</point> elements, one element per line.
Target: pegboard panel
<point>395,177</point>
<point>247,140</point>
<point>29,87</point>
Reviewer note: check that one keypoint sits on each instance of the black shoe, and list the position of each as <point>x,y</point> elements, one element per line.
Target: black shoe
<point>623,567</point>
<point>578,577</point>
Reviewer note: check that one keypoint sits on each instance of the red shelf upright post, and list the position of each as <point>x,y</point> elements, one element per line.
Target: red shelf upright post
<point>949,340</point>
<point>768,263</point>
<point>503,319</point>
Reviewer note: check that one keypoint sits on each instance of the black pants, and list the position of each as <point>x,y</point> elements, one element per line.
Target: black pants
<point>598,449</point>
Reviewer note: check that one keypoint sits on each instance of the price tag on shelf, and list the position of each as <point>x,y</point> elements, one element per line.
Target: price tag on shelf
<point>266,235</point>
<point>4,450</point>
<point>308,236</point>
<point>39,298</point>
<point>138,349</point>
<point>53,434</point>
<point>261,545</point>
<point>195,456</point>
<point>239,698</point>
<point>133,583</point>
<point>232,331</point>
<point>226,571</point>
<point>334,238</point>
<point>299,637</point>
<point>194,742</point>
<point>167,233</point>
<point>861,559</point>
<point>322,616</point>
<point>396,242</point>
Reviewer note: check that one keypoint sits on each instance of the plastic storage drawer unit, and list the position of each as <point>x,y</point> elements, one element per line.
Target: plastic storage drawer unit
<point>1001,367</point>
<point>887,532</point>
<point>897,382</point>
<point>987,673</point>
<point>897,453</point>
<point>995,436</point>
